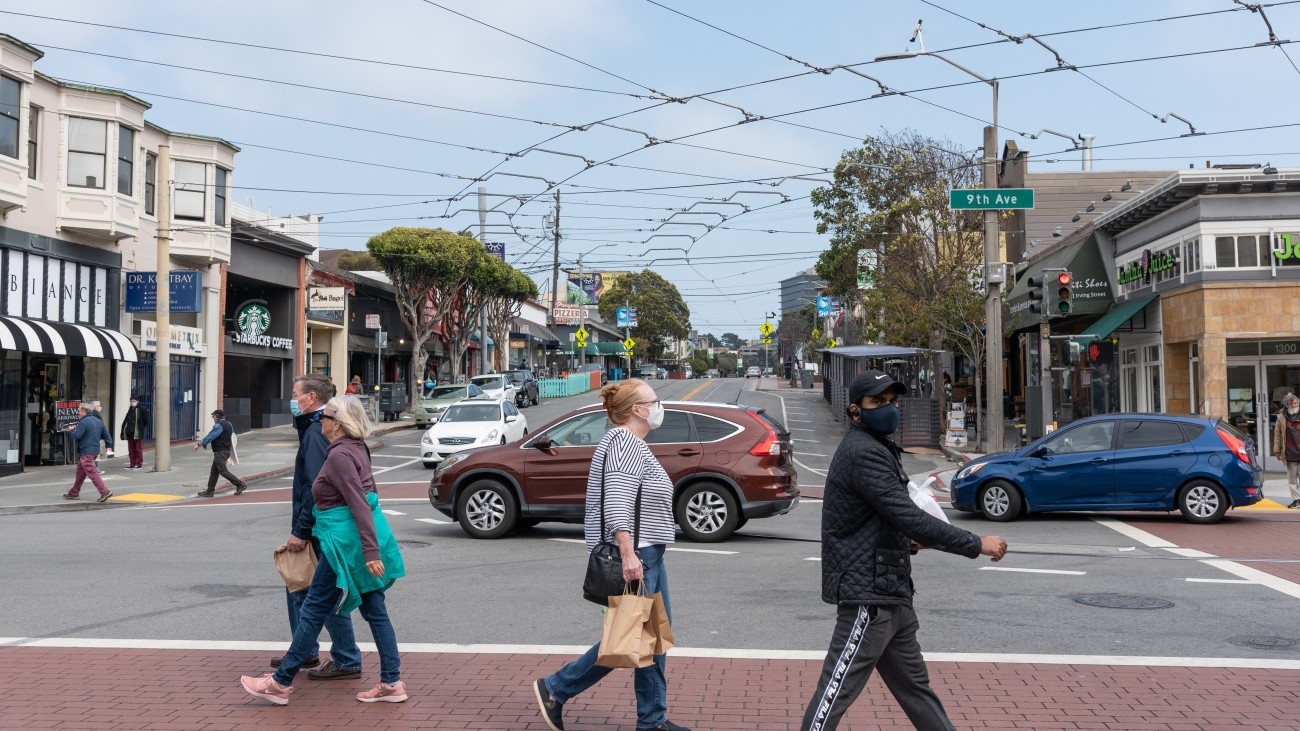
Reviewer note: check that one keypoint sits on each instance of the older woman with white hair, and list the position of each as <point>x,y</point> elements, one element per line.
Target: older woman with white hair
<point>359,558</point>
<point>1286,444</point>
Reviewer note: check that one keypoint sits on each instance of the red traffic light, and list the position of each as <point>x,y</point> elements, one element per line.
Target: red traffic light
<point>1063,278</point>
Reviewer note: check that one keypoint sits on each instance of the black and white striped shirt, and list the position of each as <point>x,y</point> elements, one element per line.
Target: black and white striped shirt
<point>631,464</point>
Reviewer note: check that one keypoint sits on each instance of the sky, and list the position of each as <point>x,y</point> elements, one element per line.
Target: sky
<point>727,113</point>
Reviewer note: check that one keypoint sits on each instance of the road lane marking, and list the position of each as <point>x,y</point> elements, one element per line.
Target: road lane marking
<point>798,428</point>
<point>396,466</point>
<point>392,512</point>
<point>145,497</point>
<point>701,550</point>
<point>696,390</point>
<point>1221,581</point>
<point>813,558</point>
<point>1278,584</point>
<point>810,454</point>
<point>1033,571</point>
<point>810,469</point>
<point>569,540</point>
<point>434,521</point>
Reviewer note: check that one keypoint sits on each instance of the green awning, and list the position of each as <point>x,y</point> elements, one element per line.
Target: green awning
<point>569,349</point>
<point>1118,315</point>
<point>614,348</point>
<point>1091,287</point>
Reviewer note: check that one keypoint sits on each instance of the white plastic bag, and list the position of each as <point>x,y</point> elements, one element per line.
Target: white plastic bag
<point>924,498</point>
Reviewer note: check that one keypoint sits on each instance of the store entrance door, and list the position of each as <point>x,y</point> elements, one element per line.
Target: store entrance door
<point>1256,387</point>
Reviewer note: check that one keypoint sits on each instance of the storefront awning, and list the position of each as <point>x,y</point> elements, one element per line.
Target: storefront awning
<point>61,338</point>
<point>538,334</point>
<point>1091,287</point>
<point>1118,315</point>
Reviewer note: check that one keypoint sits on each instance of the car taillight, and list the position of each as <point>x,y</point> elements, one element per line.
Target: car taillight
<point>1235,445</point>
<point>770,444</point>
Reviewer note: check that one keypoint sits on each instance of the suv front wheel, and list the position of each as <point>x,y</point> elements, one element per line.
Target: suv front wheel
<point>487,509</point>
<point>707,512</point>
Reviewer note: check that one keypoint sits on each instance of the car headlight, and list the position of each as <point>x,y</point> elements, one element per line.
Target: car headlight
<point>450,460</point>
<point>426,439</point>
<point>491,436</point>
<point>969,470</point>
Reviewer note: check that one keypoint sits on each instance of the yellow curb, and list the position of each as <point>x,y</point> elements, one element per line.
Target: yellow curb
<point>1264,504</point>
<point>145,497</point>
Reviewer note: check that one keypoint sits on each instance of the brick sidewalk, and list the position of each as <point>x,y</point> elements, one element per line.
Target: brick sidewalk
<point>181,690</point>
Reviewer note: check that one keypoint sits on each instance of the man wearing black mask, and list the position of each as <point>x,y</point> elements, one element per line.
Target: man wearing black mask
<point>869,526</point>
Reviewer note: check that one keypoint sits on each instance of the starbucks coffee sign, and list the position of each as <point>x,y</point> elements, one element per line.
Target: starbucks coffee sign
<point>253,320</point>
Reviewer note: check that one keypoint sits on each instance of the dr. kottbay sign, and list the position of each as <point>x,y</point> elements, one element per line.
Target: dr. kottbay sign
<point>326,298</point>
<point>253,320</point>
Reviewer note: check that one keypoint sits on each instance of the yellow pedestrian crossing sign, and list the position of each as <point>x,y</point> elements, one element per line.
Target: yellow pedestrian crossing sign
<point>767,341</point>
<point>766,329</point>
<point>629,344</point>
<point>581,334</point>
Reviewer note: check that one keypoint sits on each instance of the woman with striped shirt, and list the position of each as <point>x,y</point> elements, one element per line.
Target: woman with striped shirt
<point>625,464</point>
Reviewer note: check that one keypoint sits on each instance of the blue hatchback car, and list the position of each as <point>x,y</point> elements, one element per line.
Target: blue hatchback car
<point>1200,466</point>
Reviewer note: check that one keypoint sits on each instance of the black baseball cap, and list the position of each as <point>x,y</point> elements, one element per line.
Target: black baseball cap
<point>873,383</point>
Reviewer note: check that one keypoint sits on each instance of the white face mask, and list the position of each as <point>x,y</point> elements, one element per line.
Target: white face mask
<point>655,417</point>
<point>135,404</point>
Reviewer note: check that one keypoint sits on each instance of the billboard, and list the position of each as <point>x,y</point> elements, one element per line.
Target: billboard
<point>588,288</point>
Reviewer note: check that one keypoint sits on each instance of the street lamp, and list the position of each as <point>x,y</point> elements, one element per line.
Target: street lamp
<point>582,306</point>
<point>992,263</point>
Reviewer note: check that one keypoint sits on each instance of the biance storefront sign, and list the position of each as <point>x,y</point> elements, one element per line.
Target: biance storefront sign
<point>253,320</point>
<point>184,291</point>
<point>1148,265</point>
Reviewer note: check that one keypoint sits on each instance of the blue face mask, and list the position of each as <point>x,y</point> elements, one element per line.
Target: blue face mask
<point>294,408</point>
<point>880,420</point>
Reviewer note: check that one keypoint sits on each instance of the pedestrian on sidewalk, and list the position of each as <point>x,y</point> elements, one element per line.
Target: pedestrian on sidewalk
<point>87,434</point>
<point>354,386</point>
<point>1286,444</point>
<point>622,467</point>
<point>133,426</point>
<point>870,528</point>
<point>307,403</point>
<point>221,440</point>
<point>359,559</point>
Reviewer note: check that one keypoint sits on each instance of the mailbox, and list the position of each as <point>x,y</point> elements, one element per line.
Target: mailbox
<point>392,400</point>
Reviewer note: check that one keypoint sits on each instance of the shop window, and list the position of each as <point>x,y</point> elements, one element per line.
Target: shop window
<point>87,152</point>
<point>219,196</point>
<point>125,160</point>
<point>1192,256</point>
<point>1195,384</point>
<point>191,190</point>
<point>1247,251</point>
<point>1130,356</point>
<point>150,182</point>
<point>11,92</point>
<point>33,140</point>
<point>1225,252</point>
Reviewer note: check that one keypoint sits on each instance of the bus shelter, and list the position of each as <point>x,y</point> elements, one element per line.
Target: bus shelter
<point>923,371</point>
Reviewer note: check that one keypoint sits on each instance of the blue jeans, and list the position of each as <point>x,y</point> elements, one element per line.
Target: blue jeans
<point>650,683</point>
<point>316,608</point>
<point>343,641</point>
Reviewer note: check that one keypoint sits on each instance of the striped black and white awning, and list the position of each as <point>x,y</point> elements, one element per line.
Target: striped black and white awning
<point>61,338</point>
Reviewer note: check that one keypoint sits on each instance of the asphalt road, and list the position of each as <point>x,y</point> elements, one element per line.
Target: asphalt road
<point>203,571</point>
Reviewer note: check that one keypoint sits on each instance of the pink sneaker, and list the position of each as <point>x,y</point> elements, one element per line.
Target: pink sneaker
<point>384,693</point>
<point>265,687</point>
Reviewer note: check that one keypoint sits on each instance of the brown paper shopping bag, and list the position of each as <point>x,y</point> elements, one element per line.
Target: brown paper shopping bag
<point>295,567</point>
<point>658,624</point>
<point>627,640</point>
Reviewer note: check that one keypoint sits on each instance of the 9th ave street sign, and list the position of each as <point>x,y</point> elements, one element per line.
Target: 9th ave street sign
<point>996,199</point>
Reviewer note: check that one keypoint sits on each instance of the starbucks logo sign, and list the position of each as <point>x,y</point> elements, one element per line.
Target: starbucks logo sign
<point>253,320</point>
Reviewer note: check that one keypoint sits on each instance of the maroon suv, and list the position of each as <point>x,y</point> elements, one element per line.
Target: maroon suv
<point>728,464</point>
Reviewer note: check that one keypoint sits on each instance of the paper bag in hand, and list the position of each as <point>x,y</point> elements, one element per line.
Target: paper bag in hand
<point>663,631</point>
<point>295,567</point>
<point>627,640</point>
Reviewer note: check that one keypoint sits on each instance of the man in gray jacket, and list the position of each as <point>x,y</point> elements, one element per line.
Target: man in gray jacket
<point>86,435</point>
<point>870,528</point>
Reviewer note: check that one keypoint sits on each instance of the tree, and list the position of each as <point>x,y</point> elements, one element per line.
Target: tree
<point>429,268</point>
<point>700,362</point>
<point>726,364</point>
<point>729,340</point>
<point>358,261</point>
<point>488,278</point>
<point>795,329</point>
<point>503,307</point>
<point>661,312</point>
<point>891,229</point>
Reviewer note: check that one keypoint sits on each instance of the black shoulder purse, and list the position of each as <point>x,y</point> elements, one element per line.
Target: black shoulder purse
<point>605,563</point>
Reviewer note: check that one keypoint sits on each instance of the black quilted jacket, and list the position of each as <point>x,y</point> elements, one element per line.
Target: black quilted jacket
<point>869,522</point>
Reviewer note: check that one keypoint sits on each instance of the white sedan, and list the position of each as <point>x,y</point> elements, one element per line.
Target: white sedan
<point>476,422</point>
<point>495,385</point>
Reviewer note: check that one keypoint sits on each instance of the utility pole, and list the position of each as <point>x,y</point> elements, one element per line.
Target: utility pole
<point>482,311</point>
<point>994,431</point>
<point>1045,370</point>
<point>582,308</point>
<point>627,332</point>
<point>555,257</point>
<point>162,359</point>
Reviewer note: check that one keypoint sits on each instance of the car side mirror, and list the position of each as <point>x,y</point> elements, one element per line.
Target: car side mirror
<point>544,444</point>
<point>511,418</point>
<point>1040,452</point>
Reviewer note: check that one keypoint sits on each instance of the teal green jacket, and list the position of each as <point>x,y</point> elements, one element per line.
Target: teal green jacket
<point>340,544</point>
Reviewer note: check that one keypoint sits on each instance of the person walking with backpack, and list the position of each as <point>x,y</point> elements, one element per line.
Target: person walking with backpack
<point>133,426</point>
<point>87,434</point>
<point>221,439</point>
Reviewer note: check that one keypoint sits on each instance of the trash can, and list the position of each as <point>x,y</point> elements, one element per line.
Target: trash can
<point>806,378</point>
<point>392,400</point>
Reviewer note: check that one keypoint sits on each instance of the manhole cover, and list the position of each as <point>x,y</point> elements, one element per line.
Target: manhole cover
<point>1262,642</point>
<point>1122,601</point>
<point>411,545</point>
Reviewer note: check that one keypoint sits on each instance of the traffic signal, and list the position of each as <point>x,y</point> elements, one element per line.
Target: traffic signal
<point>1036,295</point>
<point>1060,301</point>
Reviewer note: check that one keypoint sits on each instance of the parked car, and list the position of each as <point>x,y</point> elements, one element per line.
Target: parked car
<point>594,368</point>
<point>1200,466</point>
<point>712,373</point>
<point>728,463</point>
<point>526,390</point>
<point>495,386</point>
<point>472,423</point>
<point>647,372</point>
<point>437,399</point>
<point>753,372</point>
